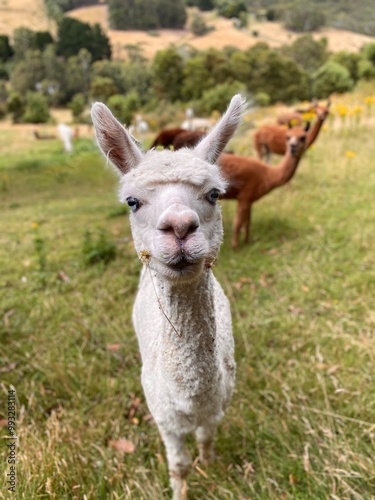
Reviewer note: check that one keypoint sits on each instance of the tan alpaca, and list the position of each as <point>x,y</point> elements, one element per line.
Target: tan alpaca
<point>270,139</point>
<point>290,118</point>
<point>250,179</point>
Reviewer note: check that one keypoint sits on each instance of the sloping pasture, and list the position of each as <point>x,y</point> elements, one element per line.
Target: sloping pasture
<point>302,421</point>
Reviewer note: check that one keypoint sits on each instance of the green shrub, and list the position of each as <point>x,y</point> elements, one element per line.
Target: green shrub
<point>199,26</point>
<point>123,107</point>
<point>217,98</point>
<point>366,70</point>
<point>262,99</point>
<point>329,78</point>
<point>77,105</point>
<point>16,106</point>
<point>36,110</point>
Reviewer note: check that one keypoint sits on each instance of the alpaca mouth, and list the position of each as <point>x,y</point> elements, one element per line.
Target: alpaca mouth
<point>181,264</point>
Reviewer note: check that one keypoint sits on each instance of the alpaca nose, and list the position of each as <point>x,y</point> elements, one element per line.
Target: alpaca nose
<point>180,220</point>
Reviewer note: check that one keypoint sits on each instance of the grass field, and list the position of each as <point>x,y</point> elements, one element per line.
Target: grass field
<point>302,421</point>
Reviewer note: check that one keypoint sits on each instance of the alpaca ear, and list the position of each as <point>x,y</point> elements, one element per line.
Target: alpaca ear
<point>114,141</point>
<point>212,145</point>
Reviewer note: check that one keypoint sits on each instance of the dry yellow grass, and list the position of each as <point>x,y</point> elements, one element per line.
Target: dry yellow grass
<point>30,13</point>
<point>23,13</point>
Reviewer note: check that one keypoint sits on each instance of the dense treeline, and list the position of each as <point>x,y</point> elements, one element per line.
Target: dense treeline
<point>297,15</point>
<point>38,71</point>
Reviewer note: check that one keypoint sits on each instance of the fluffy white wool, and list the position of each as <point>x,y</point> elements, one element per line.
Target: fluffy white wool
<point>181,315</point>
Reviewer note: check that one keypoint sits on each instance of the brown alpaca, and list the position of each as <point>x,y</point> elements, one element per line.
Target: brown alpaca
<point>250,179</point>
<point>166,137</point>
<point>272,138</point>
<point>188,139</point>
<point>290,118</point>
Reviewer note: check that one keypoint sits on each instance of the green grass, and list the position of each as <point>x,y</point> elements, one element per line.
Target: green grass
<point>301,424</point>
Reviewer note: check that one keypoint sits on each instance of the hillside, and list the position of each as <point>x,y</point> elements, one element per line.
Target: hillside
<point>30,13</point>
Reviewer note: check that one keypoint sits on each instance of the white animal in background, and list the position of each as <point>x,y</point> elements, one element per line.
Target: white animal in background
<point>192,123</point>
<point>181,316</point>
<point>66,135</point>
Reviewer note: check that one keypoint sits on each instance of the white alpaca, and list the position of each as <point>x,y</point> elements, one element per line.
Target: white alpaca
<point>66,135</point>
<point>181,315</point>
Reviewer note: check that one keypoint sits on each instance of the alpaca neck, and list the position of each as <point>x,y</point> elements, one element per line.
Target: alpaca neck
<point>314,132</point>
<point>189,331</point>
<point>284,171</point>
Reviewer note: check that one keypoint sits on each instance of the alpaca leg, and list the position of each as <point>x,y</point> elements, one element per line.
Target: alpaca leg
<point>205,436</point>
<point>268,155</point>
<point>179,463</point>
<point>242,210</point>
<point>247,223</point>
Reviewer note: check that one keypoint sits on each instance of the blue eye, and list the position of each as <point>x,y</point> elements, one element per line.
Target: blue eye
<point>133,203</point>
<point>213,196</point>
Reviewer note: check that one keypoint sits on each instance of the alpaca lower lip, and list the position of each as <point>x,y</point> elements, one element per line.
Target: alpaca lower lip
<point>181,265</point>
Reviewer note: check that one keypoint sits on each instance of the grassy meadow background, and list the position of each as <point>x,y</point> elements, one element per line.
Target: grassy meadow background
<point>302,421</point>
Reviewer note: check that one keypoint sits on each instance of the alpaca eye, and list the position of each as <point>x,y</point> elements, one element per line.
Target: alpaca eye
<point>213,196</point>
<point>133,203</point>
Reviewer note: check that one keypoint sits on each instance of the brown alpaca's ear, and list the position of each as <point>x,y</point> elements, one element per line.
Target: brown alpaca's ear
<point>210,148</point>
<point>307,126</point>
<point>114,140</point>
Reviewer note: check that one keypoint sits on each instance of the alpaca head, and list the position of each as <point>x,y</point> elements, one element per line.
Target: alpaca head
<point>296,139</point>
<point>172,195</point>
<point>322,111</point>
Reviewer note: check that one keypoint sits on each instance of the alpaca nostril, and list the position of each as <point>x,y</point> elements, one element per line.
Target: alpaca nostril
<point>181,225</point>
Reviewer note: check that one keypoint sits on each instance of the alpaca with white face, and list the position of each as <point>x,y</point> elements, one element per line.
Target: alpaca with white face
<point>181,315</point>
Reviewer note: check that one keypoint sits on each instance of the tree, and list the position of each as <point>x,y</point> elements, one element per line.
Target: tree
<point>36,110</point>
<point>230,8</point>
<point>54,67</point>
<point>167,70</point>
<point>6,51</point>
<point>42,40</point>
<point>350,61</point>
<point>201,4</point>
<point>217,98</point>
<point>75,78</point>
<point>16,106</point>
<point>132,14</point>
<point>197,78</point>
<point>102,88</point>
<point>331,77</point>
<point>302,17</point>
<point>77,105</point>
<point>123,107</point>
<point>23,39</point>
<point>73,36</point>
<point>28,73</point>
<point>198,26</point>
<point>279,77</point>
<point>307,52</point>
<point>171,13</point>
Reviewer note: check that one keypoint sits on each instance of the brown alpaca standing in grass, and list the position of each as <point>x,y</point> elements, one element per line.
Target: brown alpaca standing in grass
<point>166,137</point>
<point>270,139</point>
<point>188,139</point>
<point>290,118</point>
<point>250,179</point>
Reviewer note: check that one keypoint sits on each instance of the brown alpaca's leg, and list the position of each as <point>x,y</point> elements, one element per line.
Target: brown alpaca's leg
<point>242,210</point>
<point>247,223</point>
